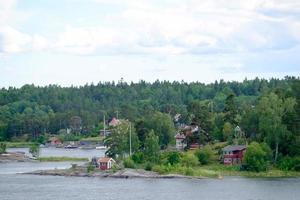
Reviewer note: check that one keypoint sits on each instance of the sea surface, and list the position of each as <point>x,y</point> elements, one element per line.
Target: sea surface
<point>16,186</point>
<point>33,187</point>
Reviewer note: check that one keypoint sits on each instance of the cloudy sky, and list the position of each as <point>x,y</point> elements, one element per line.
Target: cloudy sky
<point>82,41</point>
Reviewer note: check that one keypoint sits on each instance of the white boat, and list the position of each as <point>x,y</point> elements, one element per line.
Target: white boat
<point>101,148</point>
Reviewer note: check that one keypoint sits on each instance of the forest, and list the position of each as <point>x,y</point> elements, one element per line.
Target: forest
<point>265,110</point>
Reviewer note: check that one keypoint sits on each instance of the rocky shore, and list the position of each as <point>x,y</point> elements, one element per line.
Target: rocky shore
<point>15,157</point>
<point>123,173</point>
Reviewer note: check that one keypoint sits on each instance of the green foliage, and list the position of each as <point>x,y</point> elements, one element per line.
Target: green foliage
<point>118,142</point>
<point>90,168</point>
<point>2,147</point>
<point>138,157</point>
<point>174,157</point>
<point>288,163</point>
<point>152,147</point>
<point>35,150</point>
<point>256,158</point>
<point>204,155</point>
<point>129,163</point>
<point>189,160</point>
<point>60,159</point>
<point>148,166</point>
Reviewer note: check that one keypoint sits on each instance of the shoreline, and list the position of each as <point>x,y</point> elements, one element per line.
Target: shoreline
<point>126,173</point>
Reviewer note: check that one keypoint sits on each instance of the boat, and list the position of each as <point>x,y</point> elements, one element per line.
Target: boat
<point>101,148</point>
<point>70,147</point>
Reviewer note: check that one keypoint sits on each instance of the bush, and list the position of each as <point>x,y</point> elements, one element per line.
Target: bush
<point>189,171</point>
<point>2,148</point>
<point>35,150</point>
<point>148,166</point>
<point>90,168</point>
<point>288,163</point>
<point>256,157</point>
<point>189,160</point>
<point>128,163</point>
<point>204,155</point>
<point>138,157</point>
<point>173,157</point>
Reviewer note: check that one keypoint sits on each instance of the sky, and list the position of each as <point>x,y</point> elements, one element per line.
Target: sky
<point>74,42</point>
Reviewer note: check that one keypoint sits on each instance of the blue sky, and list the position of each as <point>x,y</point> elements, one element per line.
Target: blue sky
<point>73,42</point>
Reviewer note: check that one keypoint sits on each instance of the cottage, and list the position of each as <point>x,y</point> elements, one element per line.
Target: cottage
<point>54,141</point>
<point>114,122</point>
<point>180,144</point>
<point>106,163</point>
<point>233,154</point>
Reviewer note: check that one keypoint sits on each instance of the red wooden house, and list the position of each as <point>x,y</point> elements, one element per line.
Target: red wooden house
<point>106,163</point>
<point>233,154</point>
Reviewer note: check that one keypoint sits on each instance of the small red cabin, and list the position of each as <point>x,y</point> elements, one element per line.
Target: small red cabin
<point>106,163</point>
<point>234,154</point>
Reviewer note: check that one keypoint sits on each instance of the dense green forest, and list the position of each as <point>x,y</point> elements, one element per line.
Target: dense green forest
<point>265,110</point>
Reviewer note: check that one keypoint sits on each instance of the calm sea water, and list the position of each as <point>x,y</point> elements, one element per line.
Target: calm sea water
<point>78,153</point>
<point>32,187</point>
<point>20,187</point>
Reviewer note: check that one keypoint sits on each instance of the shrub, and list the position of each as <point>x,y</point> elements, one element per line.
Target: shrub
<point>188,171</point>
<point>2,148</point>
<point>138,157</point>
<point>174,157</point>
<point>189,160</point>
<point>256,157</point>
<point>288,163</point>
<point>204,155</point>
<point>90,168</point>
<point>35,150</point>
<point>128,163</point>
<point>148,166</point>
<point>159,169</point>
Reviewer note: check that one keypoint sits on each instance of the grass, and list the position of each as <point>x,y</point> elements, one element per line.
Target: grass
<point>93,139</point>
<point>218,170</point>
<point>60,159</point>
<point>18,144</point>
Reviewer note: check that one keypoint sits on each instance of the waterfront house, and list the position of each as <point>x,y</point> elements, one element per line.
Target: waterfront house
<point>180,144</point>
<point>114,122</point>
<point>233,154</point>
<point>54,141</point>
<point>106,163</point>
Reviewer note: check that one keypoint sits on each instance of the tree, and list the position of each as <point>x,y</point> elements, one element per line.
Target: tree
<point>257,157</point>
<point>118,142</point>
<point>227,130</point>
<point>200,114</point>
<point>163,126</point>
<point>271,110</point>
<point>230,110</point>
<point>152,147</point>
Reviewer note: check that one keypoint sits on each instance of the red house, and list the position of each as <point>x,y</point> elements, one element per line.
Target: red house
<point>234,154</point>
<point>54,141</point>
<point>106,163</point>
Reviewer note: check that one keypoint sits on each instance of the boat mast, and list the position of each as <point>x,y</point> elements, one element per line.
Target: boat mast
<point>130,138</point>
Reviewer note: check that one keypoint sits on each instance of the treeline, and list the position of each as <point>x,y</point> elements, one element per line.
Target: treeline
<point>32,111</point>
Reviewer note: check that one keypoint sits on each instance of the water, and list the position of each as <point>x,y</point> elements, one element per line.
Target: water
<point>78,153</point>
<point>19,187</point>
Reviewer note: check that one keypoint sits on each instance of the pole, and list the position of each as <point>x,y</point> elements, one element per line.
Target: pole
<point>104,125</point>
<point>129,138</point>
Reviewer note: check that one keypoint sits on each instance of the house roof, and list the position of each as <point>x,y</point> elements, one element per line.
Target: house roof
<point>234,148</point>
<point>179,136</point>
<point>114,122</point>
<point>105,159</point>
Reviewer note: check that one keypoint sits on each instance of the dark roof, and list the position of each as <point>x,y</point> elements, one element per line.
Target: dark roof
<point>234,148</point>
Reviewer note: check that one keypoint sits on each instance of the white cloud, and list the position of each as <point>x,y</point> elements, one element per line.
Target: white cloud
<point>171,27</point>
<point>13,41</point>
